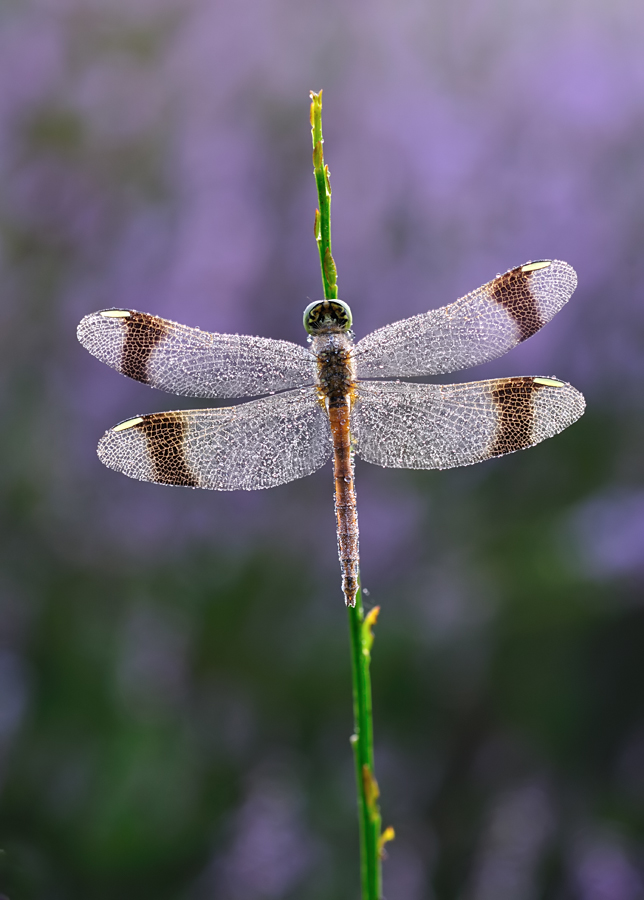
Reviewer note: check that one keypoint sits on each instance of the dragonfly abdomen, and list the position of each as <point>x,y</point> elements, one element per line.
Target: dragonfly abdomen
<point>346,511</point>
<point>336,380</point>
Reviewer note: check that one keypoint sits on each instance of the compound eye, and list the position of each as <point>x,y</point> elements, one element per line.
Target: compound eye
<point>311,317</point>
<point>327,316</point>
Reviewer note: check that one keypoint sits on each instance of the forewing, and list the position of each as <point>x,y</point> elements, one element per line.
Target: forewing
<point>258,444</point>
<point>192,362</point>
<point>438,426</point>
<point>478,327</point>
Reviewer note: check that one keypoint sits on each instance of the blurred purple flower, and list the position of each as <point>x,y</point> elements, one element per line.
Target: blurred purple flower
<point>520,824</point>
<point>603,869</point>
<point>608,531</point>
<point>271,850</point>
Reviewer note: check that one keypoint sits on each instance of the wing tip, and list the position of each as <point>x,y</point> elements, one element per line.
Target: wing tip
<point>572,399</point>
<point>555,268</point>
<point>95,323</point>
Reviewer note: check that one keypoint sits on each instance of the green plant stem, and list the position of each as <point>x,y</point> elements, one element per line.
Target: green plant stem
<point>362,742</point>
<point>361,636</point>
<point>323,213</point>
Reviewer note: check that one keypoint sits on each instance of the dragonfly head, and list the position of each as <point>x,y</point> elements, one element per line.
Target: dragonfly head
<point>327,317</point>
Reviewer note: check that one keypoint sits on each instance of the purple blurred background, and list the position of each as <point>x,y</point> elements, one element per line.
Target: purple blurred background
<point>156,154</point>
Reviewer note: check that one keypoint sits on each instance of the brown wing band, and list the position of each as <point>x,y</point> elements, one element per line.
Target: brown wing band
<point>512,292</point>
<point>165,434</point>
<point>143,334</point>
<point>513,399</point>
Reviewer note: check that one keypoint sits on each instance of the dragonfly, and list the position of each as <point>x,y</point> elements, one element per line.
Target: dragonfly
<point>332,398</point>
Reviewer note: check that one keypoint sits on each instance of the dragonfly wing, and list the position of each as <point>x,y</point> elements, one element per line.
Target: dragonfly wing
<point>258,444</point>
<point>478,327</point>
<point>438,426</point>
<point>192,362</point>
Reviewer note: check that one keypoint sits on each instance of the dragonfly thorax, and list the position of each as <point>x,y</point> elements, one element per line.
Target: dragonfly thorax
<point>327,317</point>
<point>336,373</point>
